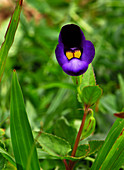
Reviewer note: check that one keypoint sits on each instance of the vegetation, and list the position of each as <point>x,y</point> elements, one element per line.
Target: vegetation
<point>50,95</point>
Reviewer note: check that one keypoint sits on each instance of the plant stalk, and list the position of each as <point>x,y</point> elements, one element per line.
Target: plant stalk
<point>71,163</point>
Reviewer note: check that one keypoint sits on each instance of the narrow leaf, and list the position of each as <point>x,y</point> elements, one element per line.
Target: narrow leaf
<point>115,158</point>
<point>7,156</point>
<point>9,36</point>
<point>52,144</point>
<point>114,133</point>
<point>21,135</point>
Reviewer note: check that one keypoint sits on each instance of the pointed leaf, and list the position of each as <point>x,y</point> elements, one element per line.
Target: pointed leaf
<point>111,139</point>
<point>9,36</point>
<point>115,158</point>
<point>91,94</point>
<point>62,129</point>
<point>7,156</point>
<point>52,144</point>
<point>88,149</point>
<point>82,151</point>
<point>88,78</point>
<point>21,135</point>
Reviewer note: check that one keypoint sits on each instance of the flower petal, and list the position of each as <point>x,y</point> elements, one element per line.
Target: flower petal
<point>75,67</point>
<point>71,36</point>
<point>61,58</point>
<point>88,52</point>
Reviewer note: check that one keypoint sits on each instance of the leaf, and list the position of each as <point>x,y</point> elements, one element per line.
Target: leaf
<point>115,158</point>
<point>9,36</point>
<point>88,149</point>
<point>55,103</point>
<point>88,78</point>
<point>64,130</point>
<point>21,135</point>
<point>44,155</point>
<point>121,83</point>
<point>7,156</point>
<point>91,94</point>
<point>109,143</point>
<point>82,151</point>
<point>119,114</point>
<point>58,84</point>
<point>52,144</point>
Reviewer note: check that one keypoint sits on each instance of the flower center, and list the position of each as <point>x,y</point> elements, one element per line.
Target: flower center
<point>73,54</point>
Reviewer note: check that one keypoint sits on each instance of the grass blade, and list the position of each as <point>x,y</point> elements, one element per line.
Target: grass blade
<point>7,156</point>
<point>9,36</point>
<point>111,139</point>
<point>21,135</point>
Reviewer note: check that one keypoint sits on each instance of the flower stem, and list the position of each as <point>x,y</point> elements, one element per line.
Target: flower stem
<point>66,165</point>
<point>71,164</point>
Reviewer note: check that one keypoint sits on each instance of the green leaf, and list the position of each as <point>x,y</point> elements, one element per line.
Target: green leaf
<point>64,130</point>
<point>110,144</point>
<point>82,151</point>
<point>2,159</point>
<point>7,156</point>
<point>91,94</point>
<point>88,149</point>
<point>9,36</point>
<point>44,155</point>
<point>52,144</point>
<point>88,78</point>
<point>58,84</point>
<point>21,135</point>
<point>115,158</point>
<point>121,83</point>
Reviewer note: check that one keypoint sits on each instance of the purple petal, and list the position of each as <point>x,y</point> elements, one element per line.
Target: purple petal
<point>88,52</point>
<point>61,58</point>
<point>75,67</point>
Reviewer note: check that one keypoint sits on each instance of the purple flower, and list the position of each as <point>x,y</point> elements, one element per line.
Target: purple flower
<point>74,53</point>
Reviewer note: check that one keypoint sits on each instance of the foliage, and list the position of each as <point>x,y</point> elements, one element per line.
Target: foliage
<point>50,103</point>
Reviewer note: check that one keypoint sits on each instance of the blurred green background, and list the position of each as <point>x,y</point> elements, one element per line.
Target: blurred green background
<point>48,92</point>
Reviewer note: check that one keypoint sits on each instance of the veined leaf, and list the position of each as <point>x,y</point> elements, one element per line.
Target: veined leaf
<point>115,158</point>
<point>110,143</point>
<point>82,152</point>
<point>90,94</point>
<point>21,135</point>
<point>62,129</point>
<point>52,144</point>
<point>9,36</point>
<point>88,78</point>
<point>88,149</point>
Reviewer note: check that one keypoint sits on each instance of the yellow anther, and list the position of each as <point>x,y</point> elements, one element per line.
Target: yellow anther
<point>77,54</point>
<point>69,55</point>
